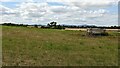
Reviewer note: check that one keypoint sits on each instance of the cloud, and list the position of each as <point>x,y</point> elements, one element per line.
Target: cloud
<point>74,12</point>
<point>8,11</point>
<point>4,9</point>
<point>16,0</point>
<point>33,10</point>
<point>5,0</point>
<point>62,9</point>
<point>106,20</point>
<point>86,4</point>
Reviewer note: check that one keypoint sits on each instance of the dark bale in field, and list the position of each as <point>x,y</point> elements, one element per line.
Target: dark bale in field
<point>96,32</point>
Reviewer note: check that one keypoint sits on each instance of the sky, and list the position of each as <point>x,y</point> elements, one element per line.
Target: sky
<point>70,12</point>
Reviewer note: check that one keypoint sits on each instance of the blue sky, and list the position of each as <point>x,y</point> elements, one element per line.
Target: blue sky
<point>102,13</point>
<point>10,4</point>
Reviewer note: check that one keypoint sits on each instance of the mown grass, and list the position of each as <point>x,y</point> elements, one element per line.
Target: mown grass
<point>50,47</point>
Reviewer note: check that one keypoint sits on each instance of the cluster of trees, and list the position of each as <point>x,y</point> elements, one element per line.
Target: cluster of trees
<point>12,24</point>
<point>79,26</point>
<point>53,25</point>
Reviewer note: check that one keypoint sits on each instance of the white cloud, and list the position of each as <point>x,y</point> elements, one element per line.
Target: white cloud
<point>106,20</point>
<point>32,10</point>
<point>92,3</point>
<point>4,9</point>
<point>61,9</point>
<point>5,0</point>
<point>16,0</point>
<point>74,12</point>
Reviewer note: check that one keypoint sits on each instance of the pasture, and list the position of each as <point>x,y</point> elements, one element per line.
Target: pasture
<point>22,46</point>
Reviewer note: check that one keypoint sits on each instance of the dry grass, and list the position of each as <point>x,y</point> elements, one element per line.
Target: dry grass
<point>50,47</point>
<point>84,29</point>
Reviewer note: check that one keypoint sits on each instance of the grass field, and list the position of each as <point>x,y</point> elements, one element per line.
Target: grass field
<point>22,46</point>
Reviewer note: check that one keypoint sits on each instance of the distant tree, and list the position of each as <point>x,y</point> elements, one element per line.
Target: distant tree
<point>52,24</point>
<point>36,26</point>
<point>59,27</point>
<point>48,25</point>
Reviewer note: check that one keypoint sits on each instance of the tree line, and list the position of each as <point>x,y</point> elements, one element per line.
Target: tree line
<point>53,25</point>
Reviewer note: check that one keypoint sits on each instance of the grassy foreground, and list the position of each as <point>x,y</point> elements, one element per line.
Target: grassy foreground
<point>50,47</point>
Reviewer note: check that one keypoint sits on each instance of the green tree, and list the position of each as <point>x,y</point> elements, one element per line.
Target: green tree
<point>52,24</point>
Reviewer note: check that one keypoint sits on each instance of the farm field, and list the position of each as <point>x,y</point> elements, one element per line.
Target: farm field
<point>84,29</point>
<point>22,46</point>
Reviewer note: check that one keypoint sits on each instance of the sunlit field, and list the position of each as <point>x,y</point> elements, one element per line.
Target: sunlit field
<point>22,46</point>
